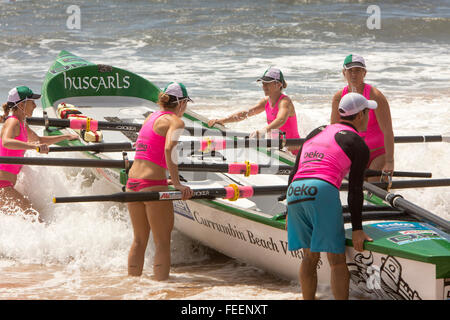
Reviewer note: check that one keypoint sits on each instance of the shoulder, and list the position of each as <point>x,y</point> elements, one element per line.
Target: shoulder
<point>315,132</point>
<point>175,121</point>
<point>286,101</point>
<point>351,141</point>
<point>337,96</point>
<point>377,95</point>
<point>11,122</point>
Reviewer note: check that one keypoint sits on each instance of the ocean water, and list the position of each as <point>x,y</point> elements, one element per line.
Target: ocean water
<point>217,49</point>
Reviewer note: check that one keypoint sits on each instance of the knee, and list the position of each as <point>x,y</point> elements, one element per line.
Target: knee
<point>140,243</point>
<point>162,244</point>
<point>336,260</point>
<point>311,258</point>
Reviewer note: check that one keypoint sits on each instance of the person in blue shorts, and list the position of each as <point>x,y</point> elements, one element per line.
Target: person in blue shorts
<point>315,221</point>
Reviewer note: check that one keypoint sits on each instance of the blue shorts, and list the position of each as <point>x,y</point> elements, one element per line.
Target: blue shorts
<point>315,219</point>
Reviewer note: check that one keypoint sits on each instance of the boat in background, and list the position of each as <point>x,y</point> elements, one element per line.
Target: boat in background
<point>251,230</point>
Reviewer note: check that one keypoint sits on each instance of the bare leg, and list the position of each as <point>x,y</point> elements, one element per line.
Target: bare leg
<point>340,276</point>
<point>161,219</point>
<point>141,230</point>
<point>308,274</point>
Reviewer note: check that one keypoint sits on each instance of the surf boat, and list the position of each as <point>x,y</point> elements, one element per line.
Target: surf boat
<point>408,259</point>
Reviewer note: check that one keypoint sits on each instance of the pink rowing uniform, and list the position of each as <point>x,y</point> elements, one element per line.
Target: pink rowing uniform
<point>4,152</point>
<point>289,127</point>
<point>322,158</point>
<point>149,144</point>
<point>373,136</point>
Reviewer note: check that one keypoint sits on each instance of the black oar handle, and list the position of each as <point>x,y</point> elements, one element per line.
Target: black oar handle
<point>375,173</point>
<point>412,139</point>
<point>99,147</point>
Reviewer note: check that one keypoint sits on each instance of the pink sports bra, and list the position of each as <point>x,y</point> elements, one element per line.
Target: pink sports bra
<point>149,144</point>
<point>4,152</point>
<point>289,127</point>
<point>323,158</point>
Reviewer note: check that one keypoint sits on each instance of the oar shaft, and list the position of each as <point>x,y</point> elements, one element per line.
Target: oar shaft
<point>206,193</point>
<point>77,123</point>
<point>412,139</point>
<point>65,162</point>
<point>204,167</point>
<point>119,126</point>
<point>380,215</point>
<point>100,147</point>
<point>83,123</point>
<point>374,173</point>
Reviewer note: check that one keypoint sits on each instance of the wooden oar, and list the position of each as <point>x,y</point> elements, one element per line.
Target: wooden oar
<point>397,201</point>
<point>231,168</point>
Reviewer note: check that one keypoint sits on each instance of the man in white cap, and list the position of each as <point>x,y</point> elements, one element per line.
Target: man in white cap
<point>379,135</point>
<point>315,221</point>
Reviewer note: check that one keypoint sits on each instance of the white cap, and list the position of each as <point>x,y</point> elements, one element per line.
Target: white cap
<point>353,102</point>
<point>178,90</point>
<point>354,61</point>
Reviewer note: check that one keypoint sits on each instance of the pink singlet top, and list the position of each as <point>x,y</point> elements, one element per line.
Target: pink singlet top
<point>4,152</point>
<point>373,136</point>
<point>290,127</point>
<point>322,158</point>
<point>149,144</point>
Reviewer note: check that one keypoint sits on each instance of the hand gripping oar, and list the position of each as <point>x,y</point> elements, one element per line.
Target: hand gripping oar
<point>397,201</point>
<point>246,168</point>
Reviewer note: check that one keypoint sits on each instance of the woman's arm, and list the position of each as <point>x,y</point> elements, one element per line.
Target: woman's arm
<point>240,115</point>
<point>282,116</point>
<point>335,106</point>
<point>383,114</point>
<point>176,127</point>
<point>9,133</point>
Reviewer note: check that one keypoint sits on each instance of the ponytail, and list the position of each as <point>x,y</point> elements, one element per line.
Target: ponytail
<point>5,112</point>
<point>167,101</point>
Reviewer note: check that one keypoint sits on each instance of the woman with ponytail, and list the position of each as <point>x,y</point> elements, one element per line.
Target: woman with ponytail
<point>15,138</point>
<point>157,139</point>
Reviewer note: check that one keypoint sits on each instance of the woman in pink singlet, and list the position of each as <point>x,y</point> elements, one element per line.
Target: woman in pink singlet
<point>280,111</point>
<point>379,135</point>
<point>157,138</point>
<point>15,138</point>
